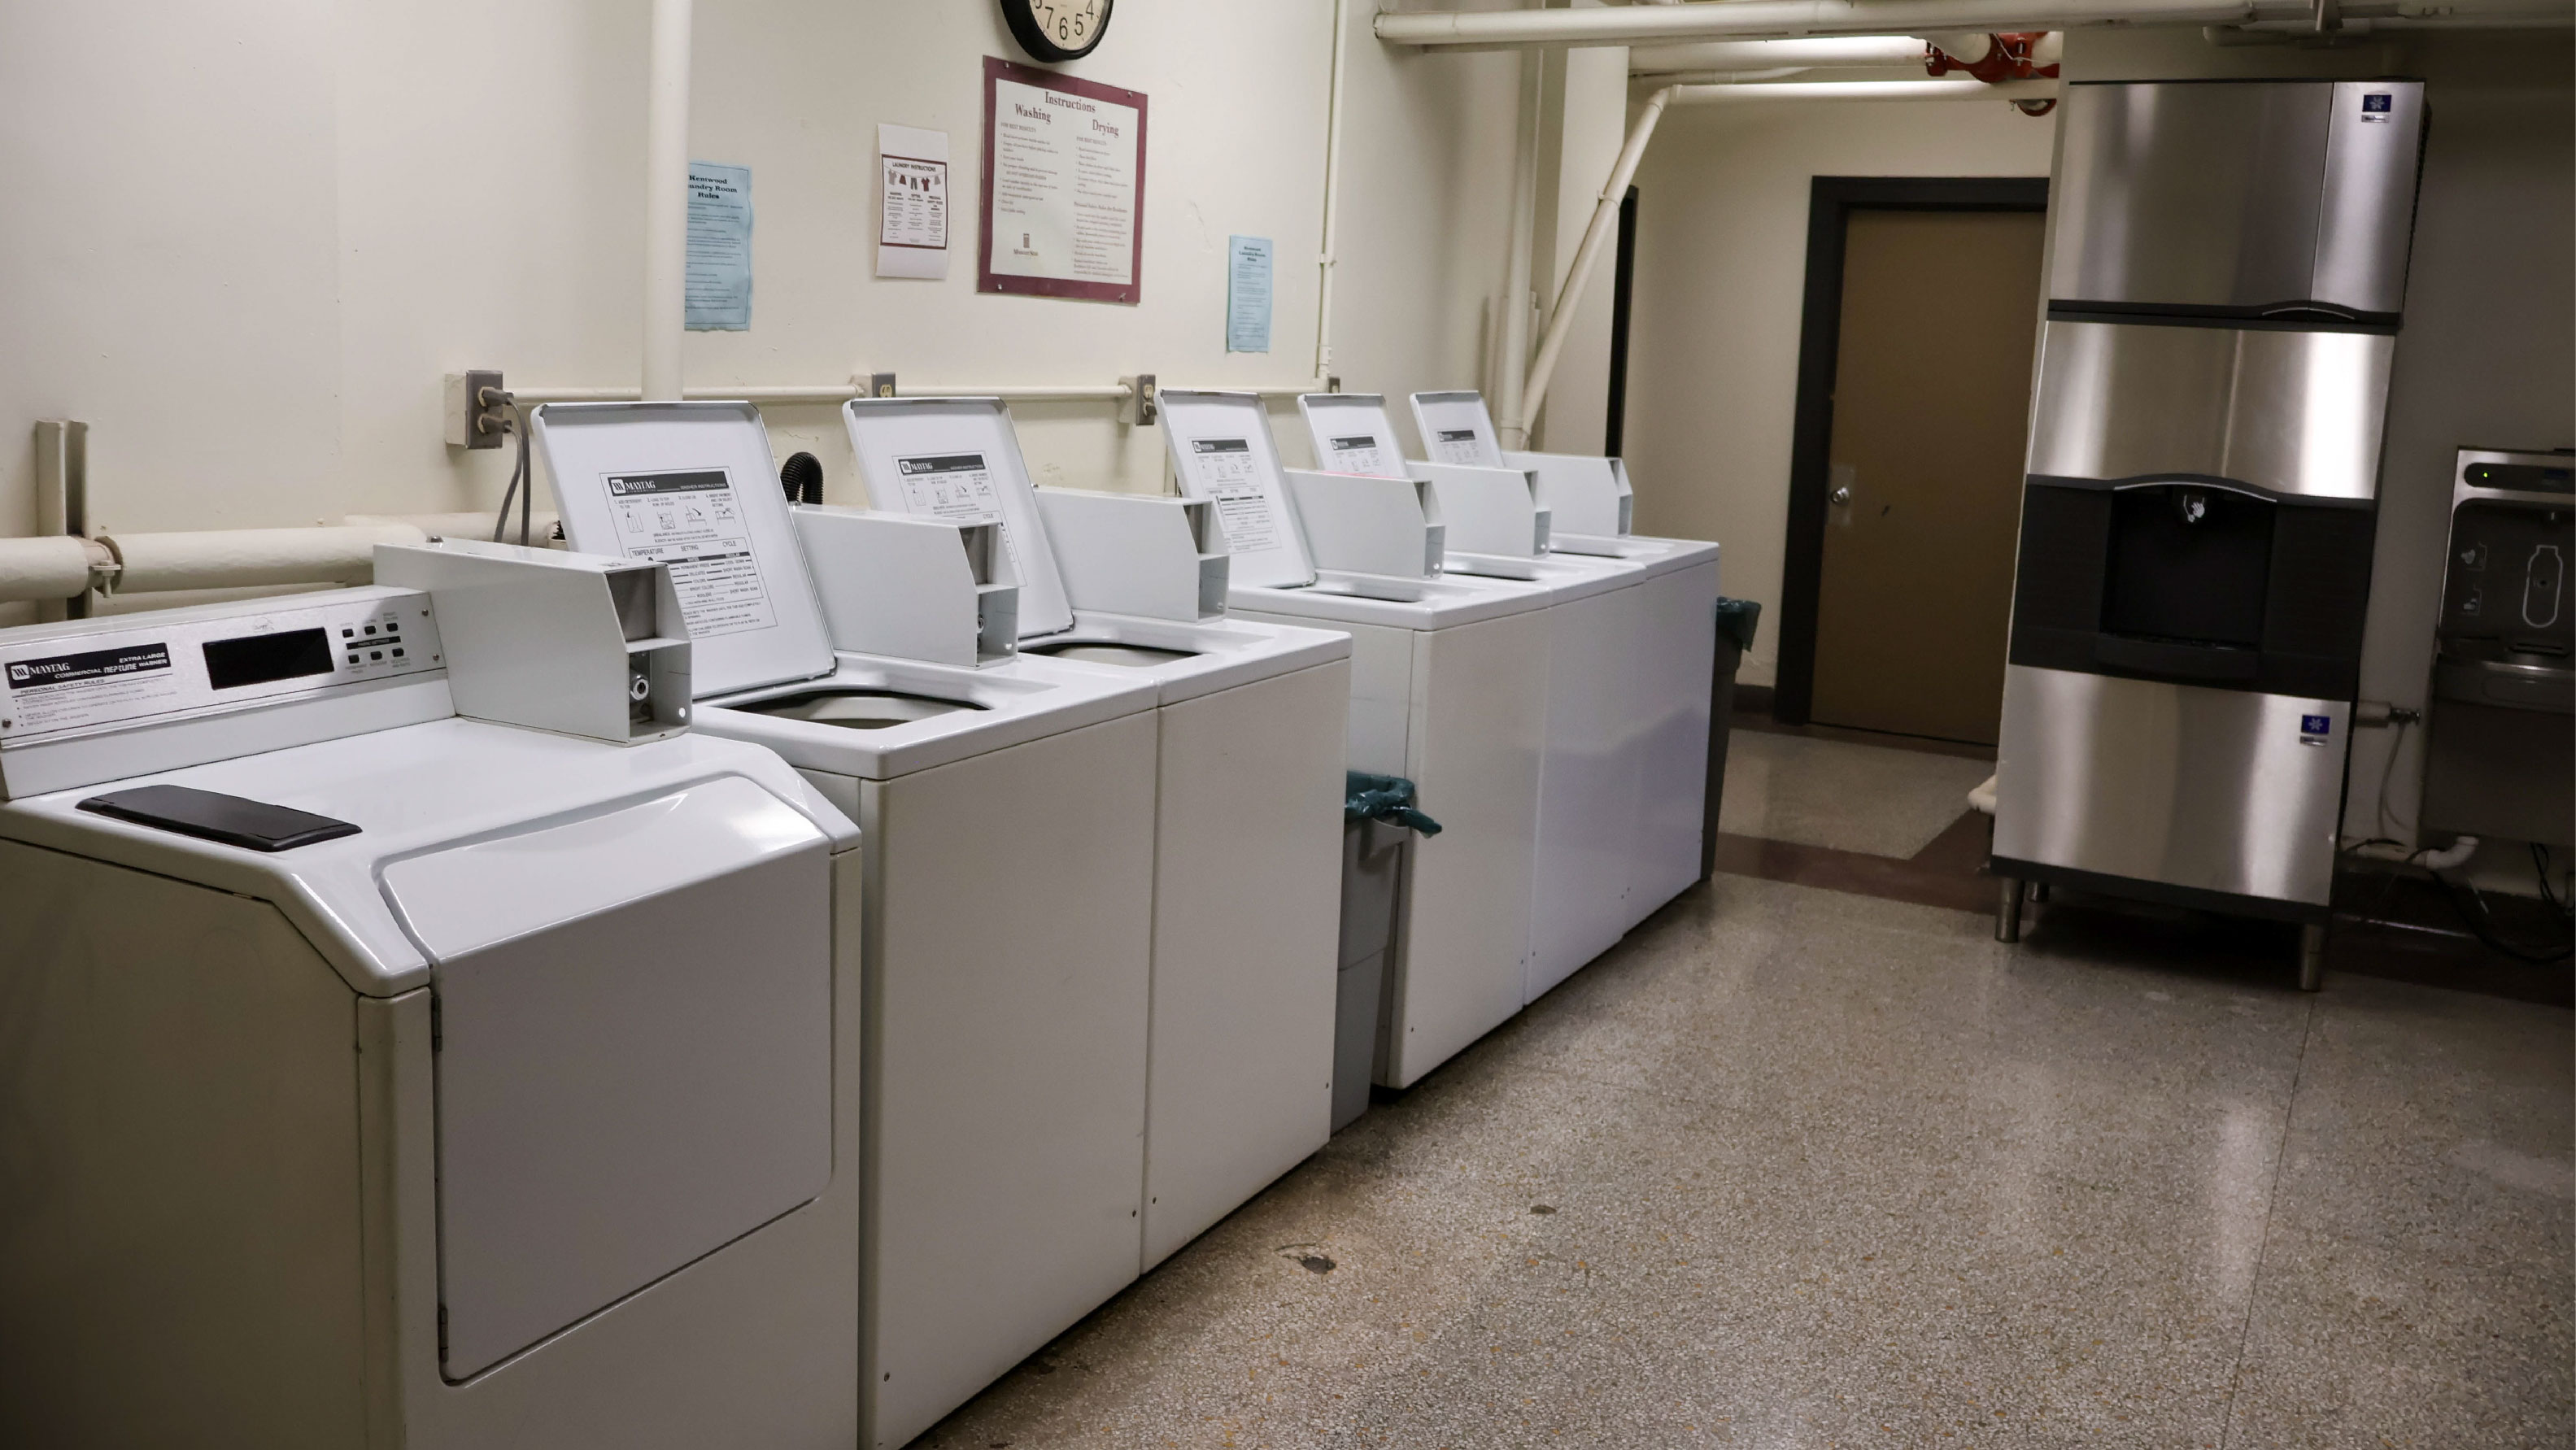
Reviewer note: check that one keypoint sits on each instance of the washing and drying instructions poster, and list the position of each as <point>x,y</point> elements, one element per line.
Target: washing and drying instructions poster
<point>719,276</point>
<point>912,229</point>
<point>1456,445</point>
<point>956,486</point>
<point>1064,186</point>
<point>1360,453</point>
<point>1223,470</point>
<point>691,523</point>
<point>1247,294</point>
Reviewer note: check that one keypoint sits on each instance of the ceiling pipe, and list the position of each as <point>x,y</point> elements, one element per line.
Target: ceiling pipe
<point>1817,52</point>
<point>1646,25</point>
<point>1596,235</point>
<point>1511,415</point>
<point>1942,90</point>
<point>1605,214</point>
<point>666,200</point>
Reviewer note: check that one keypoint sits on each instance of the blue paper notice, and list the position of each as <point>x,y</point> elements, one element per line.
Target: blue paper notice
<point>1247,295</point>
<point>719,283</point>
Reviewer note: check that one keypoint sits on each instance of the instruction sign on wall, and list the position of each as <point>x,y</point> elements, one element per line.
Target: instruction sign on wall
<point>1063,206</point>
<point>718,284</point>
<point>912,230</point>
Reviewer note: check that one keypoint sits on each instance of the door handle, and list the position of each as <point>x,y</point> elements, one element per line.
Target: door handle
<point>1842,497</point>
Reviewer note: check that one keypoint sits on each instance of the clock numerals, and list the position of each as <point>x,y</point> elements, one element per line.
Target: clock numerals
<point>1057,29</point>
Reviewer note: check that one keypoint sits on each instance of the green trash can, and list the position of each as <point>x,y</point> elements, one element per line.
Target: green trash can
<point>1736,621</point>
<point>1379,822</point>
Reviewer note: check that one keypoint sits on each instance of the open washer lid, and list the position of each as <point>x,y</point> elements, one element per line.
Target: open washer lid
<point>1456,429</point>
<point>1352,434</point>
<point>959,458</point>
<point>1222,451</point>
<point>693,486</point>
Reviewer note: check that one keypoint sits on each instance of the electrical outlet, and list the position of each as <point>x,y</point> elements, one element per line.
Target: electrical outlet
<point>1141,408</point>
<point>473,421</point>
<point>880,385</point>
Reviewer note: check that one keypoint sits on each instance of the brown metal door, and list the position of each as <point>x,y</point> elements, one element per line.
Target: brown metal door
<point>1931,395</point>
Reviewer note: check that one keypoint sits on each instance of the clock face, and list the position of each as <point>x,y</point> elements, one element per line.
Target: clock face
<point>1057,29</point>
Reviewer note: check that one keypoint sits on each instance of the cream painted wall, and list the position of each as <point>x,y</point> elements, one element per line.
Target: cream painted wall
<point>1721,264</point>
<point>2487,355</point>
<point>249,239</point>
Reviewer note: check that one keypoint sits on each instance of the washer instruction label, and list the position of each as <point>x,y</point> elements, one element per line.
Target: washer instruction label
<point>691,523</point>
<point>60,692</point>
<point>1361,454</point>
<point>1224,472</point>
<point>956,486</point>
<point>1457,445</point>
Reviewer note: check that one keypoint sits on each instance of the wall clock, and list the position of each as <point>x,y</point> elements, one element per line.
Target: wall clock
<point>1056,30</point>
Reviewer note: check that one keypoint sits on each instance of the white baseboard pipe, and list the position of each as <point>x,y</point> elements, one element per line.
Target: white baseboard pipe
<point>666,199</point>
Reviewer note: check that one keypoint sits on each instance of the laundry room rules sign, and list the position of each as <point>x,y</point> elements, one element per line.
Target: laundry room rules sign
<point>1064,186</point>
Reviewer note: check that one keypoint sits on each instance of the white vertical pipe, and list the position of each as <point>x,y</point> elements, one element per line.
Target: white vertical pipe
<point>1596,235</point>
<point>1511,420</point>
<point>666,199</point>
<point>1332,193</point>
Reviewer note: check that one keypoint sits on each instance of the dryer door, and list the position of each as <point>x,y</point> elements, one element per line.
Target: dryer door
<point>634,1051</point>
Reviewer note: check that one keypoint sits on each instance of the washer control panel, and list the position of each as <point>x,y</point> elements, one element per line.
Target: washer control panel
<point>118,673</point>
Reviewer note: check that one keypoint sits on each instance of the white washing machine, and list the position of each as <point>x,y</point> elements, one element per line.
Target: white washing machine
<point>1008,896</point>
<point>1591,507</point>
<point>381,1076</point>
<point>1448,689</point>
<point>1248,791</point>
<point>1591,776</point>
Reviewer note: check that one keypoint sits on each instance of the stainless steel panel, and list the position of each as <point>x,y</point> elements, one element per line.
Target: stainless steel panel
<point>2186,195</point>
<point>2216,790</point>
<point>2295,412</point>
<point>2366,217</point>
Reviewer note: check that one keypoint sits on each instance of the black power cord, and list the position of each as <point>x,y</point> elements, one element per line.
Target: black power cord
<point>802,477</point>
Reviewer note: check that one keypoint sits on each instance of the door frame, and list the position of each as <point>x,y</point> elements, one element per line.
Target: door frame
<point>1830,202</point>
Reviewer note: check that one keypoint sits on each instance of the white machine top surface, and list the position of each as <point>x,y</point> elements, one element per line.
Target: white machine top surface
<point>959,458</point>
<point>693,486</point>
<point>1456,429</point>
<point>1222,451</point>
<point>541,828</point>
<point>1440,603</point>
<point>901,716</point>
<point>1352,434</point>
<point>1216,654</point>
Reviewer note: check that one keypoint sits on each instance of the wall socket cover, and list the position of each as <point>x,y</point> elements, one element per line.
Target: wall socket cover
<point>465,409</point>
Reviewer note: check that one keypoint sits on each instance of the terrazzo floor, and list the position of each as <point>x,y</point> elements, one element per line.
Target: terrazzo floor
<point>1797,1167</point>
